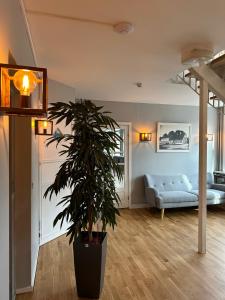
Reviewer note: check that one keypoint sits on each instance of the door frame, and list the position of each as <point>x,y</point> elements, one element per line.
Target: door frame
<point>12,277</point>
<point>129,125</point>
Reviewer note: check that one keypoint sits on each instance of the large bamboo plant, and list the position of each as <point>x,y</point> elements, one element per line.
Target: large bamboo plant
<point>88,170</point>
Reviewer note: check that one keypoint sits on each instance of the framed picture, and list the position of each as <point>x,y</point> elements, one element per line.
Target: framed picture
<point>173,137</point>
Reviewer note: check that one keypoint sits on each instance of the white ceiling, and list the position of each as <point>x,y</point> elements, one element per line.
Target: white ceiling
<point>104,65</point>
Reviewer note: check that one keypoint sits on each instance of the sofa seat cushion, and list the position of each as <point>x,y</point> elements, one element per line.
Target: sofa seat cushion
<point>177,196</point>
<point>211,194</point>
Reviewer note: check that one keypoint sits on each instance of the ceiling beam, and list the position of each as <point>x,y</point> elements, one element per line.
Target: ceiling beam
<point>218,62</point>
<point>216,84</point>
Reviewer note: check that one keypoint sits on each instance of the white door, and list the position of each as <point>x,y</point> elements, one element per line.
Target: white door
<point>122,157</point>
<point>50,162</point>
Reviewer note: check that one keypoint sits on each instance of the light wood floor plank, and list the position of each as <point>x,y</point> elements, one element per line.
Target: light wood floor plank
<point>148,259</point>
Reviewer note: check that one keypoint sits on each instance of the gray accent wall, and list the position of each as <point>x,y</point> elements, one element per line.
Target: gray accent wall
<point>145,159</point>
<point>144,118</point>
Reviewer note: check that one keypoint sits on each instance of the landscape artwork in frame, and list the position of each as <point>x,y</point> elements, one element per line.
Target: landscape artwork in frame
<point>173,137</point>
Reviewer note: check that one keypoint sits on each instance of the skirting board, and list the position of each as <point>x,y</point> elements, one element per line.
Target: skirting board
<point>27,289</point>
<point>139,205</point>
<point>35,267</point>
<point>51,237</point>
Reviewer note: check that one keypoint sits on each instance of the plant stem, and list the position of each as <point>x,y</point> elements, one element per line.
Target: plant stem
<point>90,223</point>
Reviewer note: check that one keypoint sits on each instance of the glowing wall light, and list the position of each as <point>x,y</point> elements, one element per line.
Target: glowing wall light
<point>23,90</point>
<point>145,137</point>
<point>43,127</point>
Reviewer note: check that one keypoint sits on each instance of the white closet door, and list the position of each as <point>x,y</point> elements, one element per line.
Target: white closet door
<point>121,155</point>
<point>50,162</point>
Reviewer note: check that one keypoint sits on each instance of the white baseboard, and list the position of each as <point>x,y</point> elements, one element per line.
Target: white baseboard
<point>52,236</point>
<point>27,289</point>
<point>35,267</point>
<point>139,205</point>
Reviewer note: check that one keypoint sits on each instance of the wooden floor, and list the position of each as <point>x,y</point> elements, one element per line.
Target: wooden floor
<point>147,259</point>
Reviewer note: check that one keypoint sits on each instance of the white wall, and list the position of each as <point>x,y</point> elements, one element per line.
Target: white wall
<point>14,39</point>
<point>4,171</point>
<point>58,91</point>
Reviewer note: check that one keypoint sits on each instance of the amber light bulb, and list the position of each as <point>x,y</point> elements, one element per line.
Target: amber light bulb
<point>145,137</point>
<point>25,81</point>
<point>45,124</point>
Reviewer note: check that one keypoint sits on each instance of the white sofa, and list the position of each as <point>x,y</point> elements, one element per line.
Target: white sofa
<point>168,191</point>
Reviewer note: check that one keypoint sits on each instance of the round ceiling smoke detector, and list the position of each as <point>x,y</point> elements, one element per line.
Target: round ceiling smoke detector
<point>123,28</point>
<point>195,56</point>
<point>138,84</point>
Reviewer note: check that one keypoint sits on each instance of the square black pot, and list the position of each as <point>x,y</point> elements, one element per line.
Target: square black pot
<point>89,261</point>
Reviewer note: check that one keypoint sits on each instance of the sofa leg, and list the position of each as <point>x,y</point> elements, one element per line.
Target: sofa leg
<point>162,213</point>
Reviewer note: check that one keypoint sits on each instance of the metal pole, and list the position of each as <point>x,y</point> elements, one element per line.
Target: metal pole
<point>221,138</point>
<point>202,211</point>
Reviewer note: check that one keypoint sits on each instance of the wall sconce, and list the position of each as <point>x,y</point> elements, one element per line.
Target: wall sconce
<point>43,127</point>
<point>23,90</point>
<point>145,137</point>
<point>209,137</point>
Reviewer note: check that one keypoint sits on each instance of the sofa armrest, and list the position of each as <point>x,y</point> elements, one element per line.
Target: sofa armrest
<point>218,186</point>
<point>151,195</point>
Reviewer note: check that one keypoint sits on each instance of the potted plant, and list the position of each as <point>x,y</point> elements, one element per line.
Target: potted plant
<point>89,172</point>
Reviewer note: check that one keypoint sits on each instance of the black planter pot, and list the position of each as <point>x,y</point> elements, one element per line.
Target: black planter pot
<point>89,261</point>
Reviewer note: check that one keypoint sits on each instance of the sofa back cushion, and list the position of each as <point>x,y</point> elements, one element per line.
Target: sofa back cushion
<point>163,183</point>
<point>193,179</point>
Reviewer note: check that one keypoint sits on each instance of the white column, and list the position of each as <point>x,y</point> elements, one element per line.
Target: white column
<point>202,212</point>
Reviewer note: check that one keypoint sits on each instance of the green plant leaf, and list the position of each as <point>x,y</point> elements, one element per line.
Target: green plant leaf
<point>89,168</point>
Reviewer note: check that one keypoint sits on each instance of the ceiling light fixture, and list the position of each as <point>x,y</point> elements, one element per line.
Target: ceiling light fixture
<point>138,84</point>
<point>194,56</point>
